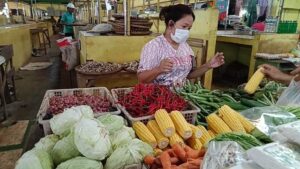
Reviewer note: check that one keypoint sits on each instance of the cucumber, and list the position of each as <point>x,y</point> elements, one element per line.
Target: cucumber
<point>251,103</point>
<point>235,106</point>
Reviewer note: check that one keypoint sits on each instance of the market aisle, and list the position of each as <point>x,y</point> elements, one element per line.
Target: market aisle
<point>31,87</point>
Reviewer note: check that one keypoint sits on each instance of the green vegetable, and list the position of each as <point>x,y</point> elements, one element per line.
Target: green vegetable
<point>62,124</point>
<point>122,137</point>
<point>64,150</point>
<point>112,123</point>
<point>47,143</point>
<point>251,103</point>
<point>235,106</point>
<point>92,139</point>
<point>247,141</point>
<point>80,163</point>
<point>261,136</point>
<point>35,159</point>
<point>132,153</point>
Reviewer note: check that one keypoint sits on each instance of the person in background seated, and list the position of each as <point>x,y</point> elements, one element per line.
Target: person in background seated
<point>275,74</point>
<point>260,25</point>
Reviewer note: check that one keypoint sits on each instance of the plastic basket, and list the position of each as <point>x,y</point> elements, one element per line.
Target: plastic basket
<point>98,91</point>
<point>190,115</point>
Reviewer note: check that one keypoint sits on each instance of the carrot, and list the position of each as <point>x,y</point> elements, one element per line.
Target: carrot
<point>165,160</point>
<point>202,152</point>
<point>191,153</point>
<point>179,151</point>
<point>174,160</point>
<point>171,153</point>
<point>184,166</point>
<point>149,159</point>
<point>154,166</point>
<point>195,162</point>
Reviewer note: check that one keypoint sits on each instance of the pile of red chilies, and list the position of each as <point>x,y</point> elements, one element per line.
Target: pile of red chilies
<point>145,99</point>
<point>97,103</point>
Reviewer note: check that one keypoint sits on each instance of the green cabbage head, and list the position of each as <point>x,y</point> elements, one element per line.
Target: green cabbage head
<point>64,150</point>
<point>62,124</point>
<point>35,159</point>
<point>80,163</point>
<point>92,139</point>
<point>132,153</point>
<point>111,122</point>
<point>47,143</point>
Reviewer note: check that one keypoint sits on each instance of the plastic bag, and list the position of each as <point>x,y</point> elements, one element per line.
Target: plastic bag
<point>291,95</point>
<point>291,131</point>
<point>70,56</point>
<point>267,118</point>
<point>223,154</point>
<point>275,156</point>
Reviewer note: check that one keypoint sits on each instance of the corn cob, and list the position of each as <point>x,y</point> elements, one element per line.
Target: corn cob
<point>181,125</point>
<point>157,151</point>
<point>254,81</point>
<point>196,131</point>
<point>194,143</point>
<point>248,126</point>
<point>176,139</point>
<point>164,122</point>
<point>228,115</point>
<point>144,134</point>
<point>205,135</point>
<point>162,141</point>
<point>211,133</point>
<point>217,124</point>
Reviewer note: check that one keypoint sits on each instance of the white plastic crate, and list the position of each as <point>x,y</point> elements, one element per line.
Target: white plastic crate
<point>190,115</point>
<point>98,91</point>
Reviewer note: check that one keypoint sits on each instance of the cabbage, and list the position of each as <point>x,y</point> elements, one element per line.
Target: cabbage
<point>122,137</point>
<point>113,123</point>
<point>133,153</point>
<point>64,150</point>
<point>47,143</point>
<point>92,139</point>
<point>35,159</point>
<point>62,123</point>
<point>80,163</point>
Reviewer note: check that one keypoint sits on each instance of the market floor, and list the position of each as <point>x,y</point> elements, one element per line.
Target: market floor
<point>31,87</point>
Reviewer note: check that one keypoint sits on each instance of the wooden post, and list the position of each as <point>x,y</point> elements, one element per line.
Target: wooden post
<point>99,11</point>
<point>89,10</point>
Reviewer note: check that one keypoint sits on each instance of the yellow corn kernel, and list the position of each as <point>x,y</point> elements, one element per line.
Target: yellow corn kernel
<point>211,133</point>
<point>164,122</point>
<point>194,143</point>
<point>217,124</point>
<point>248,126</point>
<point>196,131</point>
<point>144,134</point>
<point>205,135</point>
<point>176,139</point>
<point>181,125</point>
<point>162,141</point>
<point>254,81</point>
<point>228,115</point>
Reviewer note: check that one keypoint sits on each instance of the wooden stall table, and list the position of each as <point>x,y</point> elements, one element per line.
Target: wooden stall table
<point>114,80</point>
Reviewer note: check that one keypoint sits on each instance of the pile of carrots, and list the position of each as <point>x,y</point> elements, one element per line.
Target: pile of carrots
<point>177,157</point>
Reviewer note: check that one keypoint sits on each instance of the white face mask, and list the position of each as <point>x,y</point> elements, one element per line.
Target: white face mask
<point>180,36</point>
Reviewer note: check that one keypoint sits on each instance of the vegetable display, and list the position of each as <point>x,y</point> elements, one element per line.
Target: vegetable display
<point>97,103</point>
<point>254,81</point>
<point>86,142</point>
<point>131,66</point>
<point>145,99</point>
<point>210,101</point>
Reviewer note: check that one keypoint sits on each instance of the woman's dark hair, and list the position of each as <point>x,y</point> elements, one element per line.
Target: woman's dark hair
<point>175,13</point>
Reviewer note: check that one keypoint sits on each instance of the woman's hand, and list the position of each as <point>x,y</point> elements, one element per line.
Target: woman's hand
<point>275,74</point>
<point>296,73</point>
<point>165,66</point>
<point>216,61</point>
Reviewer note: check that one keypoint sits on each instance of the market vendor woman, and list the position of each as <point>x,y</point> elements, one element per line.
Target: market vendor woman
<point>168,59</point>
